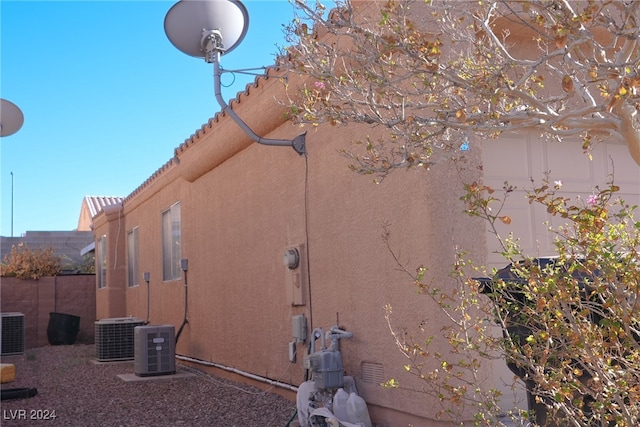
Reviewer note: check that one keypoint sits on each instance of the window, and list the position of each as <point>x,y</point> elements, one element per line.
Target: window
<point>101,260</point>
<point>171,243</point>
<point>132,257</point>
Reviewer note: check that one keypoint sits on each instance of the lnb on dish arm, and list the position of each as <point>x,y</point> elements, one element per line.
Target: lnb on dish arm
<point>211,43</point>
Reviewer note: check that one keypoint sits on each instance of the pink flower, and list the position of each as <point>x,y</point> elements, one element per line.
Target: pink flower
<point>591,201</point>
<point>319,85</point>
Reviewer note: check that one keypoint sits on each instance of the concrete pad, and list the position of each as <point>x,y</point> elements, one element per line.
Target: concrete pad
<point>133,377</point>
<point>111,362</point>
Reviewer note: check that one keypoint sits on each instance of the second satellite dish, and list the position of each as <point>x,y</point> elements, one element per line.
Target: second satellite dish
<point>11,118</point>
<point>191,24</point>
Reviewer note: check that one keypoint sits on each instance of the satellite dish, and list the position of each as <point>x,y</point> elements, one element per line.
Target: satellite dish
<point>195,26</point>
<point>11,118</point>
<point>207,29</point>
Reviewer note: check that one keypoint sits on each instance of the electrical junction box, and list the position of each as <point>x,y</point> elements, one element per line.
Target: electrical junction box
<point>299,327</point>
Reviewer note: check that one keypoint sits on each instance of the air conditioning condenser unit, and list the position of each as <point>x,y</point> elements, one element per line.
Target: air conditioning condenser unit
<point>155,350</point>
<point>114,338</point>
<point>12,334</point>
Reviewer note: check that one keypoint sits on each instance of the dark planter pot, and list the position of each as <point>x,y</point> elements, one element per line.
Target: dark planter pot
<point>63,328</point>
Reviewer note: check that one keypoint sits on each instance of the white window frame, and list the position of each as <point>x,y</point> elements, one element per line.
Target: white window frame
<point>171,242</point>
<point>133,278</point>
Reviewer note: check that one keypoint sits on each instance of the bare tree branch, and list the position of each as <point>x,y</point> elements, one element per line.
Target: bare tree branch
<point>414,67</point>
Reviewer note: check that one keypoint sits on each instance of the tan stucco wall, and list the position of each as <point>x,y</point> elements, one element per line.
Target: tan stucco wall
<point>239,217</point>
<point>111,299</point>
<point>355,275</point>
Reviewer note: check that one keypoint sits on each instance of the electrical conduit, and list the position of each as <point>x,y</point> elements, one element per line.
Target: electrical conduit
<point>239,372</point>
<point>184,267</point>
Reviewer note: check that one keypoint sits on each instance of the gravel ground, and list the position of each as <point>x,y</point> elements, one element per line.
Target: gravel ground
<point>83,393</point>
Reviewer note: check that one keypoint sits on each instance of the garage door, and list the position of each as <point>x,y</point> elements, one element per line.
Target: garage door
<point>519,158</point>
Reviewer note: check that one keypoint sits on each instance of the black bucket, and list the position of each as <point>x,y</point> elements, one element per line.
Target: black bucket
<point>63,328</point>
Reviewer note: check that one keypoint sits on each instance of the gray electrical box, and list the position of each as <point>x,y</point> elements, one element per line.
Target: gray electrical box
<point>299,327</point>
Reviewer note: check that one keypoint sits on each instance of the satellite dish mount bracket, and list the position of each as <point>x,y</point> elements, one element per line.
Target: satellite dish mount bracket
<point>213,47</point>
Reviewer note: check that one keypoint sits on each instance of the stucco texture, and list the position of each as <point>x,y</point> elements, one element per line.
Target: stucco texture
<point>243,204</point>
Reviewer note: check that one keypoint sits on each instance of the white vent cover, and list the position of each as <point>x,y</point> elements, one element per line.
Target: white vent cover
<point>12,334</point>
<point>155,350</point>
<point>115,338</point>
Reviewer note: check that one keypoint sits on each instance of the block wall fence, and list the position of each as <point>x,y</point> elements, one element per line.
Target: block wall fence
<point>36,299</point>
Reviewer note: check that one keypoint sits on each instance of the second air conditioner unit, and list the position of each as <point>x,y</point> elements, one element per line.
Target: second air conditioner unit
<point>115,338</point>
<point>12,335</point>
<point>155,350</point>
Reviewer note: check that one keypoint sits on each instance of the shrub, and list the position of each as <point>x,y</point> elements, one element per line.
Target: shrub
<point>571,326</point>
<point>25,263</point>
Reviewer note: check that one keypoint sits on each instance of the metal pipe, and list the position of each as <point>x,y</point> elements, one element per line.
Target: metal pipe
<point>146,277</point>
<point>339,333</point>
<point>238,371</point>
<point>11,203</point>
<point>298,143</point>
<point>335,335</point>
<point>148,303</point>
<point>317,333</point>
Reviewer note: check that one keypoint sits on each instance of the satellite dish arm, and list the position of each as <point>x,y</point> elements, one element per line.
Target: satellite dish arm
<point>298,143</point>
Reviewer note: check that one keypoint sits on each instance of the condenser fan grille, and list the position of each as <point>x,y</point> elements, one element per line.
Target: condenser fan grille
<point>13,334</point>
<point>115,338</point>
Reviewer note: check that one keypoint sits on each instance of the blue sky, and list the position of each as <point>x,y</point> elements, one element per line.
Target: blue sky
<point>106,99</point>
